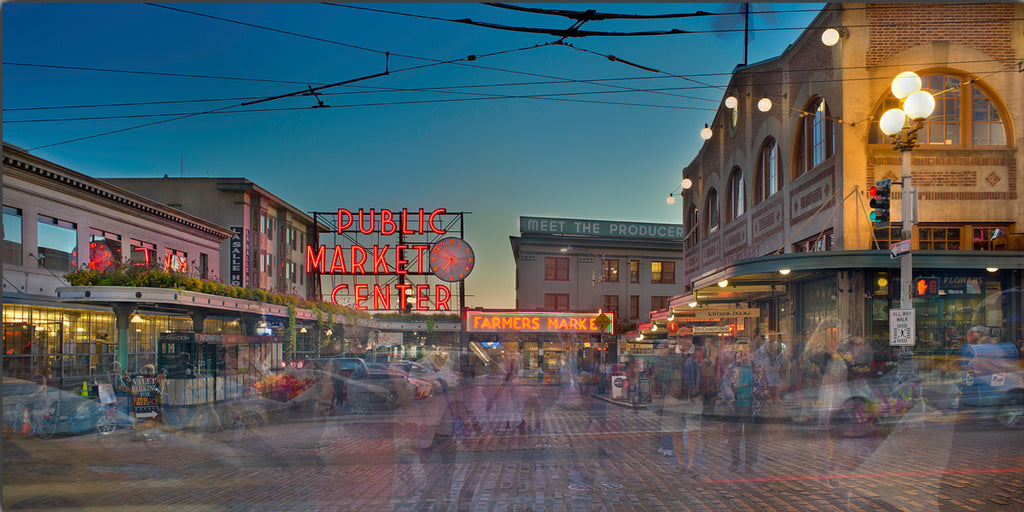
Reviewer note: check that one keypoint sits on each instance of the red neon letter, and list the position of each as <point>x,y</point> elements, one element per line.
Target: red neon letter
<point>344,219</point>
<point>387,223</point>
<point>399,262</point>
<point>361,297</point>
<point>373,221</point>
<point>378,259</point>
<point>420,249</point>
<point>422,295</point>
<point>338,260</point>
<point>405,222</point>
<point>313,262</point>
<point>439,211</point>
<point>441,303</point>
<point>381,296</point>
<point>334,293</point>
<point>358,263</point>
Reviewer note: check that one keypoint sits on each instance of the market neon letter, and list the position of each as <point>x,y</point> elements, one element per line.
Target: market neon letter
<point>314,262</point>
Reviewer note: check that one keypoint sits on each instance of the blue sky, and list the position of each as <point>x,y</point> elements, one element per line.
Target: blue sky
<point>528,128</point>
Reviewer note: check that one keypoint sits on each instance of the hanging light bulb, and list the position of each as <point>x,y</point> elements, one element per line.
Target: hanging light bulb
<point>764,105</point>
<point>706,133</point>
<point>687,183</point>
<point>731,102</point>
<point>670,199</point>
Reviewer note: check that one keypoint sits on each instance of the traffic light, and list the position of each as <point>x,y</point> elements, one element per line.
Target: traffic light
<point>927,287</point>
<point>880,202</point>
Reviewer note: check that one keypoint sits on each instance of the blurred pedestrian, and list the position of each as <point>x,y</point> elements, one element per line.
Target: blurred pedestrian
<point>745,393</point>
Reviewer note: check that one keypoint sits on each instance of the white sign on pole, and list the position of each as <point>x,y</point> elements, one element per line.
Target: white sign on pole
<point>902,327</point>
<point>899,248</point>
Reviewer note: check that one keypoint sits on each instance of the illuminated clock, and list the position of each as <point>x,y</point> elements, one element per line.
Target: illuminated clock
<point>451,259</point>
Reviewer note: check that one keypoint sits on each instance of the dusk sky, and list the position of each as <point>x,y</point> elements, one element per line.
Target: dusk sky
<point>526,128</point>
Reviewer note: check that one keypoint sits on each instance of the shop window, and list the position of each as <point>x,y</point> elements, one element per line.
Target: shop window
<point>104,249</point>
<point>143,254</point>
<point>175,260</point>
<point>556,301</point>
<point>611,271</point>
<point>634,271</point>
<point>711,212</point>
<point>556,269</point>
<point>663,272</point>
<point>634,307</point>
<point>58,243</point>
<point>985,238</point>
<point>964,115</point>
<point>735,197</point>
<point>818,243</point>
<point>768,175</point>
<point>815,137</point>
<point>12,236</point>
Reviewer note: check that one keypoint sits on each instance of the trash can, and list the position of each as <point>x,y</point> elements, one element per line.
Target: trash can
<point>989,371</point>
<point>618,386</point>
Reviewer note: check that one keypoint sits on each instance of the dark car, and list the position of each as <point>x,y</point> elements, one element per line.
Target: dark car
<point>47,411</point>
<point>347,383</point>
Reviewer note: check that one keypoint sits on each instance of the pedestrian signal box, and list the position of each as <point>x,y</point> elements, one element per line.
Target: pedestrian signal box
<point>927,287</point>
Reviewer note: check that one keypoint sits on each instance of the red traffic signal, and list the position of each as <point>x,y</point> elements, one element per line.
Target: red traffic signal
<point>927,287</point>
<point>880,194</point>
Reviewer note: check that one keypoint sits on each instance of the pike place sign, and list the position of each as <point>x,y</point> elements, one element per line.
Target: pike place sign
<point>706,314</point>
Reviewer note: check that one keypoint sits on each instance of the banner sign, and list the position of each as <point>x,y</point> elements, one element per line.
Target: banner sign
<point>711,329</point>
<point>236,256</point>
<point>703,314</point>
<point>478,321</point>
<point>145,397</point>
<point>601,228</point>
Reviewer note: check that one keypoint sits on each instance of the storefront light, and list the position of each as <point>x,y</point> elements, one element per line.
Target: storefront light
<point>723,283</point>
<point>992,269</point>
<point>693,304</point>
<point>784,271</point>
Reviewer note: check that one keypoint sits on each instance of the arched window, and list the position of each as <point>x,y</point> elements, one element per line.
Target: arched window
<point>768,172</point>
<point>815,137</point>
<point>711,213</point>
<point>693,233</point>
<point>964,115</point>
<point>735,197</point>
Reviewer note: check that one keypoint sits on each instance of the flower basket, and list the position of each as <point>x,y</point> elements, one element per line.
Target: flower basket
<point>282,387</point>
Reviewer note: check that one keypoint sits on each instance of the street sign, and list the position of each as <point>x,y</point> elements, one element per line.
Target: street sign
<point>899,248</point>
<point>902,326</point>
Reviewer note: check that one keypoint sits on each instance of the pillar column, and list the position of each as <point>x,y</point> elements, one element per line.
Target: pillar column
<point>122,321</point>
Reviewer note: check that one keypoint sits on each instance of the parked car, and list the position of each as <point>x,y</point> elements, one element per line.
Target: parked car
<point>420,388</point>
<point>52,411</point>
<point>346,382</point>
<point>992,377</point>
<point>424,371</point>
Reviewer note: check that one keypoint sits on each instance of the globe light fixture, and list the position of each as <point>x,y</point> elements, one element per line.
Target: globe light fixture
<point>706,132</point>
<point>764,105</point>
<point>905,84</point>
<point>892,121</point>
<point>919,105</point>
<point>731,102</point>
<point>830,37</point>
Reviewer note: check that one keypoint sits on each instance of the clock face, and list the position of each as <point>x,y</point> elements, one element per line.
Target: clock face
<point>451,259</point>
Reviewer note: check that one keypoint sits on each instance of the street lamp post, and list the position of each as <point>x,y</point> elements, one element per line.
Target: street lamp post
<point>902,124</point>
<point>603,357</point>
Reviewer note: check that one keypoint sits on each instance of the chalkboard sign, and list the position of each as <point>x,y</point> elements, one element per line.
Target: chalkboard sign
<point>145,397</point>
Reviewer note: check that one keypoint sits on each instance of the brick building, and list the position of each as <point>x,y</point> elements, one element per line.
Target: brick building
<point>780,208</point>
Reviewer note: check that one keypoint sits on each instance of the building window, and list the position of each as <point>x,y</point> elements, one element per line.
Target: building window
<point>292,274</point>
<point>556,269</point>
<point>204,265</point>
<point>885,237</point>
<point>611,305</point>
<point>556,301</point>
<point>815,137</point>
<point>964,115</point>
<point>634,271</point>
<point>143,253</point>
<point>302,274</point>
<point>104,249</point>
<point>12,236</point>
<point>659,302</point>
<point>634,307</point>
<point>663,272</point>
<point>293,237</point>
<point>767,180</point>
<point>711,213</point>
<point>693,234</point>
<point>58,243</point>
<point>175,261</point>
<point>819,243</point>
<point>938,238</point>
<point>268,225</point>
<point>735,198</point>
<point>267,263</point>
<point>611,271</point>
